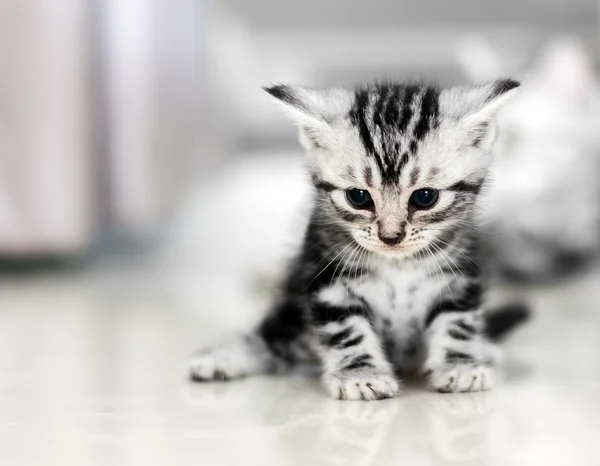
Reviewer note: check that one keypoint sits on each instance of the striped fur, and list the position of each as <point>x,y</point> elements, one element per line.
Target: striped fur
<point>394,286</point>
<point>392,119</point>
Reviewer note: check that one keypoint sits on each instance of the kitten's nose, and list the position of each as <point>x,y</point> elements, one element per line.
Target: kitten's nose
<point>392,240</point>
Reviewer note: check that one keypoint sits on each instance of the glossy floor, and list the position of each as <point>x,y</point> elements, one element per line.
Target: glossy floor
<point>94,375</point>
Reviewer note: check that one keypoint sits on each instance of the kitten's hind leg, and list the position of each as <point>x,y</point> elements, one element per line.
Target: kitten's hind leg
<point>279,343</point>
<point>234,358</point>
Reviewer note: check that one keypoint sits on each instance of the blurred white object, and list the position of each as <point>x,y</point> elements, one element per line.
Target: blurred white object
<point>239,68</point>
<point>482,62</point>
<point>151,84</point>
<point>543,206</point>
<point>97,118</point>
<point>45,157</point>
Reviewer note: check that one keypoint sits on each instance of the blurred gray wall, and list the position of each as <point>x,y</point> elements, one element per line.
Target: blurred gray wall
<point>340,42</point>
<point>563,14</point>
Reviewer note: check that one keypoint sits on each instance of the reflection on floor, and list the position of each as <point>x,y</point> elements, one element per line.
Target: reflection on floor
<point>95,376</point>
<point>92,373</point>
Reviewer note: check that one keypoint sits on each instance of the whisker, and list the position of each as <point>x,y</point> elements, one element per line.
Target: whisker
<point>360,267</point>
<point>342,260</point>
<point>434,273</point>
<point>457,250</point>
<point>424,259</point>
<point>349,263</point>
<point>323,269</point>
<point>448,264</point>
<point>355,267</point>
<point>441,273</point>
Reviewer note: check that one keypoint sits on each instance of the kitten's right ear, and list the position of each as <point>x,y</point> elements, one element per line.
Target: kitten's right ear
<point>313,111</point>
<point>476,108</point>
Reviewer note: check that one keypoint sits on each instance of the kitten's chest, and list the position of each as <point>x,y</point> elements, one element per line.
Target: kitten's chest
<point>400,300</point>
<point>398,294</point>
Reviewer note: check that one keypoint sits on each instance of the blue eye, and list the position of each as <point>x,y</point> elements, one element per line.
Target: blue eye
<point>359,198</point>
<point>424,198</point>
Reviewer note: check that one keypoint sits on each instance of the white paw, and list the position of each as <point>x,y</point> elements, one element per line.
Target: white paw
<point>208,366</point>
<point>453,378</point>
<point>361,385</point>
<point>233,359</point>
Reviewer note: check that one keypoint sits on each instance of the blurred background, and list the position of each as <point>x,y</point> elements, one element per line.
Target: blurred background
<point>131,130</point>
<point>150,192</point>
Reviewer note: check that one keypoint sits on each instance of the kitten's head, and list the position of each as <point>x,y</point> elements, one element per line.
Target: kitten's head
<point>398,166</point>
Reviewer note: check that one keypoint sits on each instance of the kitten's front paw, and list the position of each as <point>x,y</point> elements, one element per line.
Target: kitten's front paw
<point>210,365</point>
<point>234,358</point>
<point>227,361</point>
<point>454,378</point>
<point>361,385</point>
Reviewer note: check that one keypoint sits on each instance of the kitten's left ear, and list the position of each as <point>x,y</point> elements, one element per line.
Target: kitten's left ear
<point>313,111</point>
<point>476,108</point>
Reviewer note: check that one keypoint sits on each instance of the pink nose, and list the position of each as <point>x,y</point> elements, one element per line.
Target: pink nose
<point>392,240</point>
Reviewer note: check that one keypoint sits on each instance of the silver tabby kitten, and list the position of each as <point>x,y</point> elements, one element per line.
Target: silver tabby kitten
<point>389,277</point>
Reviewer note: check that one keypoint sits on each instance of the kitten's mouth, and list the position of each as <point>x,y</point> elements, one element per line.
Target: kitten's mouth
<point>398,251</point>
<point>402,250</point>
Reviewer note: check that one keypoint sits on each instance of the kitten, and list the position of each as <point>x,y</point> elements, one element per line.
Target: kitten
<point>389,277</point>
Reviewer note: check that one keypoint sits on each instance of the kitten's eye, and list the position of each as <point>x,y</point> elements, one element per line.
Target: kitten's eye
<point>424,198</point>
<point>359,198</point>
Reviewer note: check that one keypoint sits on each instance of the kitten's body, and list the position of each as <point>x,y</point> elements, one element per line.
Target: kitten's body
<point>391,286</point>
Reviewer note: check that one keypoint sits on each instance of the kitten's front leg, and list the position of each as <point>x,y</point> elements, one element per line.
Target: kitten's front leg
<point>459,357</point>
<point>354,364</point>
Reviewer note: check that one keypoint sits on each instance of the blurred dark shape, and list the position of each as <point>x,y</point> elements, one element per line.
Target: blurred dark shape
<point>499,322</point>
